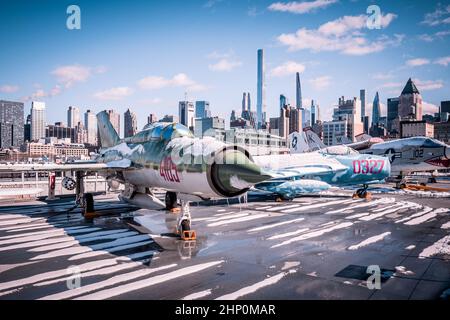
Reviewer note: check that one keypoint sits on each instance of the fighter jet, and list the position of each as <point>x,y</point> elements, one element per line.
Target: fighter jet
<point>413,154</point>
<point>315,171</point>
<point>162,155</point>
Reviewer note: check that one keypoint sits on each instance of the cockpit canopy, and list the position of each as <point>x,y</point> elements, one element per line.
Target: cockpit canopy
<point>159,131</point>
<point>340,150</point>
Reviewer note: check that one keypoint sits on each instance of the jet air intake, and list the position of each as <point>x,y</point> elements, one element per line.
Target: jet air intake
<point>233,172</point>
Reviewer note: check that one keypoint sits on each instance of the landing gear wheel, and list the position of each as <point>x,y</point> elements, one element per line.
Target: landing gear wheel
<point>185,225</point>
<point>88,205</point>
<point>171,200</point>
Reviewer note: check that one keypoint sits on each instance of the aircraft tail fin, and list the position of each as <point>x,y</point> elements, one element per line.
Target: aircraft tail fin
<point>298,143</point>
<point>108,135</point>
<point>313,139</point>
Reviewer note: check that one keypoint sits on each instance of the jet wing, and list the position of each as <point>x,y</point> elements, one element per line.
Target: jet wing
<point>124,164</point>
<point>303,171</point>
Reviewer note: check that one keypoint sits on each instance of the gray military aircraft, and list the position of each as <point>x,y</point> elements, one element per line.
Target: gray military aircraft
<point>413,154</point>
<point>162,155</point>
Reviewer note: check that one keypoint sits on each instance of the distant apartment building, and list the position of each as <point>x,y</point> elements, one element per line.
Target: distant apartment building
<point>212,127</point>
<point>114,118</point>
<point>290,120</point>
<point>346,123</point>
<point>186,113</point>
<point>90,125</point>
<point>60,131</point>
<point>442,131</point>
<point>130,124</point>
<point>202,109</point>
<point>11,124</point>
<point>152,118</point>
<point>410,102</point>
<point>169,118</point>
<point>73,116</point>
<point>53,147</point>
<point>392,115</point>
<point>416,129</point>
<point>37,120</point>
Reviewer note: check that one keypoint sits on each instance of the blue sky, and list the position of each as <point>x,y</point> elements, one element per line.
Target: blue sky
<point>146,54</point>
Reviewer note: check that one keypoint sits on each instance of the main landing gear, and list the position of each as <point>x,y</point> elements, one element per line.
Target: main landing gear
<point>184,219</point>
<point>84,200</point>
<point>362,193</point>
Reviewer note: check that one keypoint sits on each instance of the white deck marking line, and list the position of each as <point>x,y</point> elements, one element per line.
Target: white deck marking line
<point>253,288</point>
<point>287,234</point>
<point>446,225</point>
<point>439,247</point>
<point>55,274</point>
<point>383,213</point>
<point>274,225</point>
<point>81,241</point>
<point>284,207</point>
<point>369,241</point>
<point>50,234</point>
<point>313,234</point>
<point>246,218</point>
<point>362,205</point>
<point>90,254</point>
<point>426,217</point>
<point>223,214</point>
<point>113,292</point>
<point>198,295</point>
<point>263,208</point>
<point>236,215</point>
<point>317,205</point>
<point>418,214</point>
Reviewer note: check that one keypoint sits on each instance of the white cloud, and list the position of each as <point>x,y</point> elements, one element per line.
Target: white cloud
<point>444,61</point>
<point>287,68</point>
<point>432,37</point>
<point>391,85</point>
<point>429,108</point>
<point>417,62</point>
<point>343,35</point>
<point>224,65</point>
<point>441,15</point>
<point>320,83</point>
<point>70,74</point>
<point>178,80</point>
<point>382,76</point>
<point>117,93</point>
<point>300,7</point>
<point>425,85</point>
<point>7,88</point>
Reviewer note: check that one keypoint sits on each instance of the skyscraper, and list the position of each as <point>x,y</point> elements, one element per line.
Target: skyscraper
<point>186,112</point>
<point>73,117</point>
<point>37,120</point>
<point>90,124</point>
<point>376,110</point>
<point>202,109</point>
<point>11,124</point>
<point>362,97</point>
<point>245,102</point>
<point>114,118</point>
<point>283,101</point>
<point>261,94</point>
<point>314,113</point>
<point>298,87</point>
<point>130,123</point>
<point>410,105</point>
<point>392,112</point>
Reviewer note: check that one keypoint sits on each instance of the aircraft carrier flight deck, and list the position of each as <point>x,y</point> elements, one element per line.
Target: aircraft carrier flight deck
<point>322,246</point>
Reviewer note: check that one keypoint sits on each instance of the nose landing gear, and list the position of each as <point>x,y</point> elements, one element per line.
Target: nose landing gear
<point>362,193</point>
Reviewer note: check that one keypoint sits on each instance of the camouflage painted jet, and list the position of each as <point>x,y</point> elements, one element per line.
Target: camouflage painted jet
<point>339,166</point>
<point>162,155</point>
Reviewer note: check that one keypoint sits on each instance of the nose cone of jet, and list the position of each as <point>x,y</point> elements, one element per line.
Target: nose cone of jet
<point>236,173</point>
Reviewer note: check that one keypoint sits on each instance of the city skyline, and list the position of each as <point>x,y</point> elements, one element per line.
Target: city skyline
<point>149,73</point>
